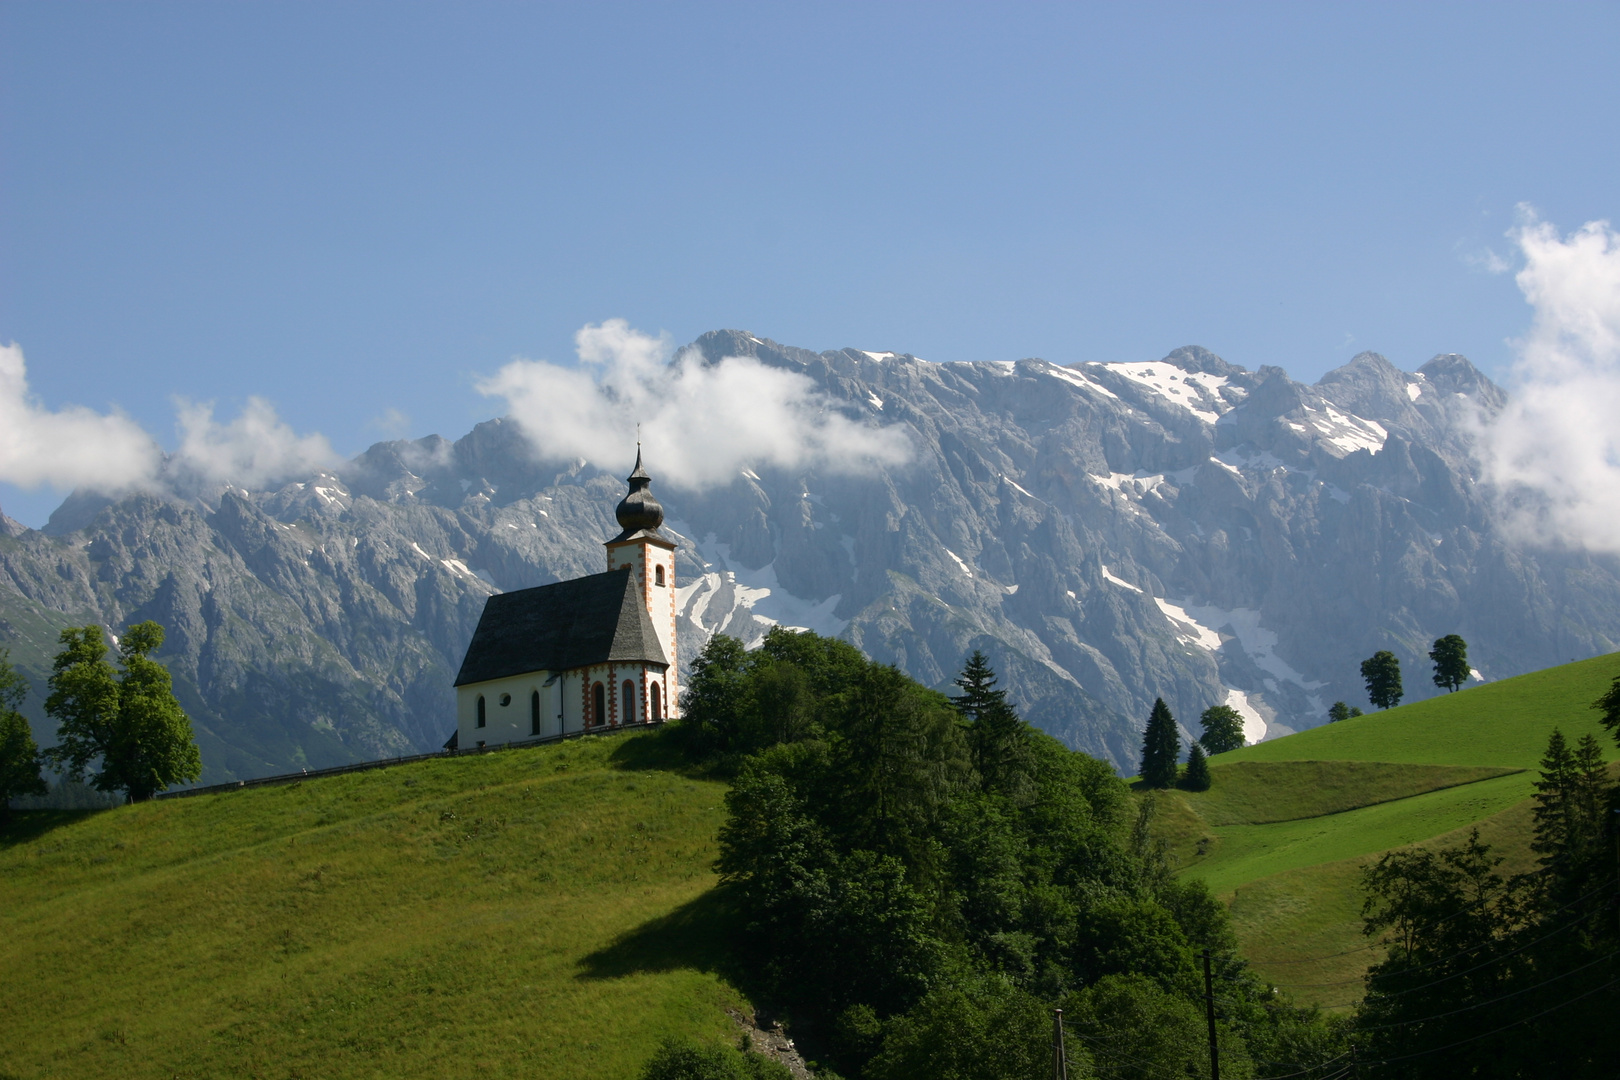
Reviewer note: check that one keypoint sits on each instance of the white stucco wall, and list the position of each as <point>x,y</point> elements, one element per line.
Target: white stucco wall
<point>562,704</point>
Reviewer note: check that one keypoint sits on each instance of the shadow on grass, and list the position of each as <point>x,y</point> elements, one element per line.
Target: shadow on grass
<point>26,825</point>
<point>700,935</point>
<point>665,749</point>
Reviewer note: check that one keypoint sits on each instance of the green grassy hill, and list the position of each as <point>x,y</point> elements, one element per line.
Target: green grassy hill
<point>530,913</point>
<point>1288,825</point>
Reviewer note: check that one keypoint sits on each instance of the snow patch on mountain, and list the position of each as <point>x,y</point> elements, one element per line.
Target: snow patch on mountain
<point>1196,391</point>
<point>1254,725</point>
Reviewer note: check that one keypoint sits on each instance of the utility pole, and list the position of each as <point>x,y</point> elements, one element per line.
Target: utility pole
<point>1060,1062</point>
<point>1209,1012</point>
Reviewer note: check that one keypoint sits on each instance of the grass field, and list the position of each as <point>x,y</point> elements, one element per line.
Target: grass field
<point>539,913</point>
<point>1288,826</point>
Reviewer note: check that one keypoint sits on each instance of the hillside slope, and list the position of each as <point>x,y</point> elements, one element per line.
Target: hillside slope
<point>526,913</point>
<point>1288,825</point>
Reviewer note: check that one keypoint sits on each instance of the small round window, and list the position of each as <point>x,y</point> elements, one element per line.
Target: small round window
<point>506,699</point>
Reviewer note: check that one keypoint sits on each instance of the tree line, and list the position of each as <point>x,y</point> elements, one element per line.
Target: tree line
<point>122,726</point>
<point>919,879</point>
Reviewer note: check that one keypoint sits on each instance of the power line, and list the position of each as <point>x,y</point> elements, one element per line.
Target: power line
<point>1381,945</point>
<point>1497,1030</point>
<point>1444,959</point>
<point>1494,1000</point>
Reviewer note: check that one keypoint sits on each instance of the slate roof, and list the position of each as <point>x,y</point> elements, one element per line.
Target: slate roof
<point>572,624</point>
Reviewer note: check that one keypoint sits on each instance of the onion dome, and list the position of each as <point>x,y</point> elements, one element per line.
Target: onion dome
<point>639,509</point>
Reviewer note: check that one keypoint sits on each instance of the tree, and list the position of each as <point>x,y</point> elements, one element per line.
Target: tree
<point>1223,729</point>
<point>716,698</point>
<point>1197,777</point>
<point>1609,705</point>
<point>1382,673</point>
<point>997,738</point>
<point>1450,656</point>
<point>1340,711</point>
<point>1570,806</point>
<point>1161,746</point>
<point>128,720</point>
<point>678,1060</point>
<point>19,755</point>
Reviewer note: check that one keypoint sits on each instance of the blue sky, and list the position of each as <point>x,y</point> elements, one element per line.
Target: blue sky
<point>357,211</point>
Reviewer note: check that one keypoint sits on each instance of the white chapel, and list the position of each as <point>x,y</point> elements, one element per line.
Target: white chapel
<point>595,652</point>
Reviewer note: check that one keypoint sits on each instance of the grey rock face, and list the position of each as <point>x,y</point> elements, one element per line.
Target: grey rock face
<point>1106,533</point>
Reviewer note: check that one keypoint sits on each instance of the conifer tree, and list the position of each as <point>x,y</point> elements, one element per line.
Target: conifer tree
<point>1197,776</point>
<point>978,683</point>
<point>1450,656</point>
<point>1223,729</point>
<point>1340,711</point>
<point>1382,673</point>
<point>997,737</point>
<point>1161,746</point>
<point>1609,705</point>
<point>19,755</point>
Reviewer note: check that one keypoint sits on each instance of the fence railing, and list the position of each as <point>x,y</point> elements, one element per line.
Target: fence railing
<point>362,766</point>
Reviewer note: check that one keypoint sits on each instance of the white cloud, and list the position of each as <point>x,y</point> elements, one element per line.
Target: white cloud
<point>69,447</point>
<point>255,449</point>
<point>701,423</point>
<point>1554,452</point>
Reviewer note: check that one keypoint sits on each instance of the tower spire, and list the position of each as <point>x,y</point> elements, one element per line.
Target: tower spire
<point>639,509</point>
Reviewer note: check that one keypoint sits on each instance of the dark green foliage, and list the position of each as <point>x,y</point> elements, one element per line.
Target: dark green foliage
<point>998,740</point>
<point>922,879</point>
<point>1609,705</point>
<point>1161,747</point>
<point>1135,1029</point>
<point>1571,809</point>
<point>1450,656</point>
<point>19,755</point>
<point>679,1060</point>
<point>1382,673</point>
<point>738,701</point>
<point>1197,777</point>
<point>1223,729</point>
<point>129,720</point>
<point>1340,711</point>
<point>979,1030</point>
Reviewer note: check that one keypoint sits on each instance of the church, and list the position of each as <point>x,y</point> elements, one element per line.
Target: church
<point>594,653</point>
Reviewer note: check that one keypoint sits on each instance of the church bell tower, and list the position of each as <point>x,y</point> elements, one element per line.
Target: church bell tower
<point>650,555</point>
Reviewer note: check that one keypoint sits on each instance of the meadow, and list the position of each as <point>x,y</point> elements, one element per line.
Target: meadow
<point>540,912</point>
<point>1288,826</point>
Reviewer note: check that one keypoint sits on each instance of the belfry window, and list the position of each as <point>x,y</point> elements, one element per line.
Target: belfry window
<point>534,713</point>
<point>480,710</point>
<point>629,702</point>
<point>658,576</point>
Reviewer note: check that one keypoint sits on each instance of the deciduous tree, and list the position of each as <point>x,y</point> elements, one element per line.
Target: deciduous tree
<point>1382,673</point>
<point>128,720</point>
<point>1450,656</point>
<point>19,754</point>
<point>1223,729</point>
<point>1340,711</point>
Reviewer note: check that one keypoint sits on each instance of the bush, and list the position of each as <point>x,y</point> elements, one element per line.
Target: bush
<point>680,1060</point>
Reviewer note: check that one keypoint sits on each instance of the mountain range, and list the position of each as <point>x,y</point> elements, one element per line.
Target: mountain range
<point>1107,533</point>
